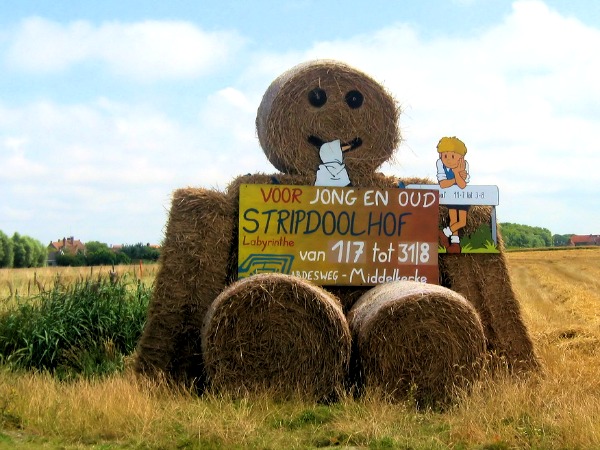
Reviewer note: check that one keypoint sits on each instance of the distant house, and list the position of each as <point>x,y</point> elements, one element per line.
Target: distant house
<point>64,246</point>
<point>587,239</point>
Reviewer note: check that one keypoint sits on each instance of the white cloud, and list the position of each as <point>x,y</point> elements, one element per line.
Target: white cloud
<point>227,122</point>
<point>146,50</point>
<point>77,161</point>
<point>14,162</point>
<point>42,45</point>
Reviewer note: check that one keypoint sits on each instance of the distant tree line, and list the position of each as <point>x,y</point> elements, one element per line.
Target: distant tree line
<point>525,236</point>
<point>141,251</point>
<point>99,254</point>
<point>21,251</point>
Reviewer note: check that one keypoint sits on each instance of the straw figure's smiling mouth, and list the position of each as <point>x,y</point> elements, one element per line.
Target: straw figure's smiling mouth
<point>346,146</point>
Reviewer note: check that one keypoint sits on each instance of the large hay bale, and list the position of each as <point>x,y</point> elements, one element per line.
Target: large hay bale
<point>193,271</point>
<point>413,340</point>
<point>276,333</point>
<point>485,281</point>
<point>286,119</point>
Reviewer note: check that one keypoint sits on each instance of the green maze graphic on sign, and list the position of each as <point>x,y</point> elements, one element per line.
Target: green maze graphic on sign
<point>265,263</point>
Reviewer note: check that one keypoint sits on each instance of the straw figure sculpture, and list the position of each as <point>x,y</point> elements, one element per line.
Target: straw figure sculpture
<point>284,334</point>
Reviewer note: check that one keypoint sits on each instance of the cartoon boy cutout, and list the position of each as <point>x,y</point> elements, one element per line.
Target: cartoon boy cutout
<point>453,169</point>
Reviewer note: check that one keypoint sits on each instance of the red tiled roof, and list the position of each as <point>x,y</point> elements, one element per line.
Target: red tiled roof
<point>69,245</point>
<point>591,239</point>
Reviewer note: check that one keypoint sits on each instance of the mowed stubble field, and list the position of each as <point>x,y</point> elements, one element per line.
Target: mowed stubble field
<point>559,293</point>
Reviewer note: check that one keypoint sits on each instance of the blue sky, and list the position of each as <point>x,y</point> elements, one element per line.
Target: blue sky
<point>107,107</point>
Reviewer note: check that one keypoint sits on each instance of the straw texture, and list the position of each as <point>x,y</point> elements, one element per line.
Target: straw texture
<point>276,333</point>
<point>417,341</point>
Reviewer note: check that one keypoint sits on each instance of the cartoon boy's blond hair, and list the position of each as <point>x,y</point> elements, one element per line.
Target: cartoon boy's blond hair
<point>452,144</point>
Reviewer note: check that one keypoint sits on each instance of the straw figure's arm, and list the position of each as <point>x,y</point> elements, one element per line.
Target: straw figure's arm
<point>484,280</point>
<point>194,270</point>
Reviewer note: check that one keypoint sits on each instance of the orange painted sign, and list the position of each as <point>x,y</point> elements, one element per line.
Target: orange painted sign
<point>339,235</point>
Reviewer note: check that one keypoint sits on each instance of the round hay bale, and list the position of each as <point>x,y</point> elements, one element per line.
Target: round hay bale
<point>327,100</point>
<point>415,341</point>
<point>276,333</point>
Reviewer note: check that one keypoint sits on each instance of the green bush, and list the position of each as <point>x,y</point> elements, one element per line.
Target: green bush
<point>525,236</point>
<point>21,251</point>
<point>67,259</point>
<point>83,329</point>
<point>7,255</point>
<point>140,251</point>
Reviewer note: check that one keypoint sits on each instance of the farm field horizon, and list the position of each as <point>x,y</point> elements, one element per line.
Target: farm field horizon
<point>559,295</point>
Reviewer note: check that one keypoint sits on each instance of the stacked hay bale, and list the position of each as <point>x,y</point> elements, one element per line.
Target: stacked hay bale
<point>279,334</point>
<point>485,281</point>
<point>193,271</point>
<point>418,341</point>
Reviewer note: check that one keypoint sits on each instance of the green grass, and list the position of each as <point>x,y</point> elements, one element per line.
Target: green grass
<point>85,328</point>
